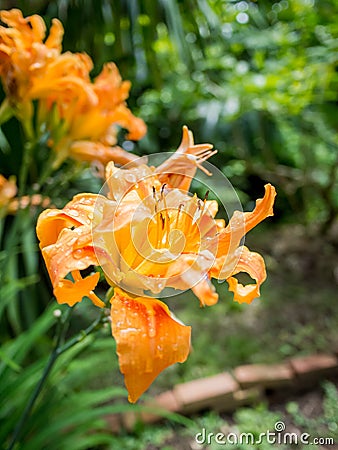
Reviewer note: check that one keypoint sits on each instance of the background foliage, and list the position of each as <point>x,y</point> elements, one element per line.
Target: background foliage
<point>259,81</point>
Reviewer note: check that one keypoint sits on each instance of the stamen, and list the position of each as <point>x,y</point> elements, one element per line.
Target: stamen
<point>180,207</point>
<point>158,231</point>
<point>202,157</point>
<point>156,200</point>
<point>76,275</point>
<point>202,208</point>
<point>96,300</point>
<point>167,219</point>
<point>162,220</point>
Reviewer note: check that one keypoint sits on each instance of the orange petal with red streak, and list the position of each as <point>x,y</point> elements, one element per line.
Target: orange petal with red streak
<point>148,340</point>
<point>73,251</point>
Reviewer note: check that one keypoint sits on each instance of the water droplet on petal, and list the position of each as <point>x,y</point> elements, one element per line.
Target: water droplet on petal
<point>78,254</point>
<point>130,178</point>
<point>152,326</point>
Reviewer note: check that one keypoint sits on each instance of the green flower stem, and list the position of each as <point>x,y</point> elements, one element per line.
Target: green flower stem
<point>25,166</point>
<point>6,111</point>
<point>58,350</point>
<point>32,400</point>
<point>82,335</point>
<point>47,170</point>
<point>46,173</point>
<point>29,147</point>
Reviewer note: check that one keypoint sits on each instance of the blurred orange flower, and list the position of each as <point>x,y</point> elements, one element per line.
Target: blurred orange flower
<point>91,126</point>
<point>8,190</point>
<point>23,54</point>
<point>79,114</point>
<point>148,234</point>
<point>9,203</point>
<point>25,201</point>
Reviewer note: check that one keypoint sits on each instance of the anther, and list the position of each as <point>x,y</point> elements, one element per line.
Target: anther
<point>162,220</point>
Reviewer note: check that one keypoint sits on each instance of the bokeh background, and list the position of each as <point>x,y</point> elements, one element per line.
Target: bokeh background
<point>258,79</point>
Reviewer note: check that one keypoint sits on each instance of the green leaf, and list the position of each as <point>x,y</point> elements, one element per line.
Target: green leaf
<point>17,348</point>
<point>9,362</point>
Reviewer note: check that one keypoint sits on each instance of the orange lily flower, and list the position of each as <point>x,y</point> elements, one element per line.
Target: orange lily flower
<point>80,115</point>
<point>90,131</point>
<point>146,235</point>
<point>24,56</point>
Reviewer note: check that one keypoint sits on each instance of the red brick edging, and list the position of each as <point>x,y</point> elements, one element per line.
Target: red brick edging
<point>227,391</point>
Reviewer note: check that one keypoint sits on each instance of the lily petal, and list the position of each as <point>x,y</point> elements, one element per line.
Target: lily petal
<point>54,39</point>
<point>253,264</point>
<point>263,208</point>
<point>205,292</point>
<point>76,213</point>
<point>148,340</point>
<point>73,292</point>
<point>73,251</point>
<point>67,247</point>
<point>179,170</point>
<point>240,223</point>
<point>95,151</point>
